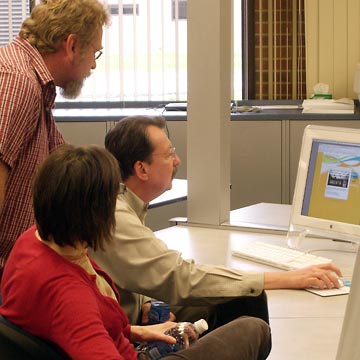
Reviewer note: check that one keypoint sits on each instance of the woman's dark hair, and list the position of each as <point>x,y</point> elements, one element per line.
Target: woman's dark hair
<point>74,196</point>
<point>129,141</point>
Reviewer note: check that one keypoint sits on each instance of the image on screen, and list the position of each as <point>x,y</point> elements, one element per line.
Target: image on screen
<point>332,190</point>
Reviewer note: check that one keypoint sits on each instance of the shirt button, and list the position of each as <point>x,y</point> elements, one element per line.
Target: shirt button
<point>252,291</point>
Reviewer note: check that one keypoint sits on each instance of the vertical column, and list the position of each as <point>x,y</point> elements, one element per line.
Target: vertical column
<point>208,114</point>
<point>349,345</point>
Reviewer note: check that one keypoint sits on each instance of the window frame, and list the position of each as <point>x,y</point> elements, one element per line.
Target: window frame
<point>248,49</point>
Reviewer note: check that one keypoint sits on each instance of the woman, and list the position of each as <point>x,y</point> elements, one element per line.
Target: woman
<point>52,289</point>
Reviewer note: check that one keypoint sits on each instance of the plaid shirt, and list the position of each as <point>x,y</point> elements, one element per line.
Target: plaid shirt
<point>27,133</point>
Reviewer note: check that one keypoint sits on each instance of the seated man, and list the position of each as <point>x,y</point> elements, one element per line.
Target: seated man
<point>148,163</point>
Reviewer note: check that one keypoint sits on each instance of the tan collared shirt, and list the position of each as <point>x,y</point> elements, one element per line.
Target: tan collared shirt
<point>141,263</point>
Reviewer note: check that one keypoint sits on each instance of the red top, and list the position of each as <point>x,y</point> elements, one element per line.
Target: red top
<point>27,133</point>
<point>57,300</point>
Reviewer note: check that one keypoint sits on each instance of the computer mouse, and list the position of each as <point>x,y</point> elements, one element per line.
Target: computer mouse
<point>340,280</point>
<point>341,283</point>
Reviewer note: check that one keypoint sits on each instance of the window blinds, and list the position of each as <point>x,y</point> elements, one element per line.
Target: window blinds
<point>145,50</point>
<point>12,14</point>
<point>145,53</point>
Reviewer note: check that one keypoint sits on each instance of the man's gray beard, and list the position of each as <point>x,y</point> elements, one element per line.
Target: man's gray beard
<point>72,89</point>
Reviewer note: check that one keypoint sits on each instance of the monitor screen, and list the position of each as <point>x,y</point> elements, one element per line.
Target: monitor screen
<point>326,200</point>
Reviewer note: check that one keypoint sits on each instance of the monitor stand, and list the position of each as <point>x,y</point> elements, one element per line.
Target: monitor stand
<point>295,237</point>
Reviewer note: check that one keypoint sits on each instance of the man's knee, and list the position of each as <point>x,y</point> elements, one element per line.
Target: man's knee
<point>259,334</point>
<point>244,338</point>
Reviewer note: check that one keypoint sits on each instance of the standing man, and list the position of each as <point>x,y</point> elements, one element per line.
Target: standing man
<point>57,46</point>
<point>140,263</point>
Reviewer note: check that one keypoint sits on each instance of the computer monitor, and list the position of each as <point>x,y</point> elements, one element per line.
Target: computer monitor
<point>326,200</point>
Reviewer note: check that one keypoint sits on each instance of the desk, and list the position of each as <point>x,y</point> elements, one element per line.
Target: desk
<point>262,216</point>
<point>171,203</point>
<point>304,325</point>
<point>178,192</point>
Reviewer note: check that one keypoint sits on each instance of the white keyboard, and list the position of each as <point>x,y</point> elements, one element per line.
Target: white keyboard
<point>280,257</point>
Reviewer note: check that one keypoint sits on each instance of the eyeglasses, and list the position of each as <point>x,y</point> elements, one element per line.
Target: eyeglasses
<point>171,153</point>
<point>98,53</point>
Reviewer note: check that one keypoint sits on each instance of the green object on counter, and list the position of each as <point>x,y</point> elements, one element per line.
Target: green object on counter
<point>321,96</point>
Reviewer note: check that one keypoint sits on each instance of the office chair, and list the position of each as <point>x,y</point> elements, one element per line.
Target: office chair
<point>16,343</point>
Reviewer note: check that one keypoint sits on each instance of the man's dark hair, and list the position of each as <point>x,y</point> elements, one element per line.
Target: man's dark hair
<point>74,196</point>
<point>129,141</point>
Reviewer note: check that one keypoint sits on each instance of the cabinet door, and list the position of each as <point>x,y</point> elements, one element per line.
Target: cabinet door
<point>295,139</point>
<point>256,153</point>
<point>83,133</point>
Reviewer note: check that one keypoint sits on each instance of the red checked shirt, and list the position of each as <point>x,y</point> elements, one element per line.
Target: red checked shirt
<point>27,133</point>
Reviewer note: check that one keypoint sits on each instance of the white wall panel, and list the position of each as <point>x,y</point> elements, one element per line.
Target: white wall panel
<point>332,44</point>
<point>354,40</point>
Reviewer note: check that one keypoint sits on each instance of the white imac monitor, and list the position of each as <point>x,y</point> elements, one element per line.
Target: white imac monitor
<point>326,200</point>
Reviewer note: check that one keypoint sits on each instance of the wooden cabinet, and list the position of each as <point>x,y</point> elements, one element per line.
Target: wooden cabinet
<point>264,153</point>
<point>256,162</point>
<point>83,133</point>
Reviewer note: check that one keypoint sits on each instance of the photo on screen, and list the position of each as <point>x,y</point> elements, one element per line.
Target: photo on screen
<point>332,186</point>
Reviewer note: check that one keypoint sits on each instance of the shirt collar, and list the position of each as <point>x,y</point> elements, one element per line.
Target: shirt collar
<point>36,60</point>
<point>138,205</point>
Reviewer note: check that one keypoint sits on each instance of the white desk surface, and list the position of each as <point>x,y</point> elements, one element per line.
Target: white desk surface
<point>266,216</point>
<point>304,325</point>
<point>178,192</point>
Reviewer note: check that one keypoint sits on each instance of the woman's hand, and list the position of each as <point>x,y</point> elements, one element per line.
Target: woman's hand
<point>320,276</point>
<point>152,332</point>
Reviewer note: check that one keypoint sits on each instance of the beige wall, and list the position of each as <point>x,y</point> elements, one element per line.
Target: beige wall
<point>332,44</point>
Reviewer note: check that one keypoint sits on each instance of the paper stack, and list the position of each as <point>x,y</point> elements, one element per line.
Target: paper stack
<point>328,106</point>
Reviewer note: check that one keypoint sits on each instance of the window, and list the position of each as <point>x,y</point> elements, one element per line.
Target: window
<point>181,7</point>
<point>12,13</point>
<point>128,9</point>
<point>145,53</point>
<point>145,50</point>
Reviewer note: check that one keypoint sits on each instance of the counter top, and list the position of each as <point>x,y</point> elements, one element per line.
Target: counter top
<point>267,110</point>
<point>112,114</point>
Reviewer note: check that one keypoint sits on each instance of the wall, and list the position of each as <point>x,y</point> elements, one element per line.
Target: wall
<point>332,44</point>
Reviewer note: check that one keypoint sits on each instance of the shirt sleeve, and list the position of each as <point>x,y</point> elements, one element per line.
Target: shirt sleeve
<point>77,326</point>
<point>140,262</point>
